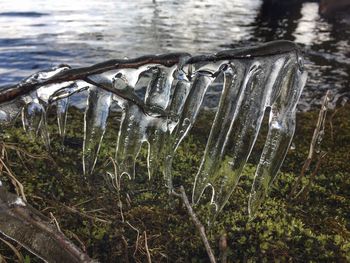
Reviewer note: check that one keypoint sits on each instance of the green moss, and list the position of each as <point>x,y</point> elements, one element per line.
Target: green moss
<point>112,224</point>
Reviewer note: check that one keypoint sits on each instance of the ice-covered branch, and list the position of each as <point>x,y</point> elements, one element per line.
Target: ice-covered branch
<point>160,97</point>
<point>10,92</point>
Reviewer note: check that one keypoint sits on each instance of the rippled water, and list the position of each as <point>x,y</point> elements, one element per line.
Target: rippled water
<point>37,34</point>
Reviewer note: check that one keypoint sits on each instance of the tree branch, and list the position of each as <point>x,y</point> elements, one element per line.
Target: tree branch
<point>8,93</point>
<point>28,227</point>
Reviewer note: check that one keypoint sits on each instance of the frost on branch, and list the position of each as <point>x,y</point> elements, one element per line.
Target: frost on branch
<point>160,97</point>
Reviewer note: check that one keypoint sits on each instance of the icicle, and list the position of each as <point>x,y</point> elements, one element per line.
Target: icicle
<point>62,112</point>
<point>34,110</point>
<point>34,119</point>
<point>131,136</point>
<point>281,130</point>
<point>191,107</point>
<point>150,127</point>
<point>182,87</point>
<point>237,121</point>
<point>159,88</point>
<point>95,121</point>
<point>60,95</point>
<point>190,111</point>
<point>157,97</point>
<point>231,99</point>
<point>4,116</point>
<point>125,83</point>
<point>129,77</point>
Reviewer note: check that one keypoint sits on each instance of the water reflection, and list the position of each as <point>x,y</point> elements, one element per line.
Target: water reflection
<point>308,30</point>
<point>37,34</point>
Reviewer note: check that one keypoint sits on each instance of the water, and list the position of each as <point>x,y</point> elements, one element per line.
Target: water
<point>36,35</point>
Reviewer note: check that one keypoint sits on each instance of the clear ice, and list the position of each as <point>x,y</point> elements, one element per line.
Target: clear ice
<point>160,98</point>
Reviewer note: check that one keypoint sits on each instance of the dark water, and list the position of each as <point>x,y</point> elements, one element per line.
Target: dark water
<point>38,34</point>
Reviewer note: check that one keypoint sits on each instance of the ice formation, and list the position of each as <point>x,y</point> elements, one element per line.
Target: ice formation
<point>160,97</point>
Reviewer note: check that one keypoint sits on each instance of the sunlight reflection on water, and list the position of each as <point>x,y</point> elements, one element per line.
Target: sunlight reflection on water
<point>37,34</point>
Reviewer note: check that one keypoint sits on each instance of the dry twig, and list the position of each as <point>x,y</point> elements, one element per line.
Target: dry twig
<point>146,247</point>
<point>73,210</point>
<point>223,248</point>
<point>14,249</point>
<point>19,187</point>
<point>53,218</point>
<point>196,222</point>
<point>314,145</point>
<point>137,238</point>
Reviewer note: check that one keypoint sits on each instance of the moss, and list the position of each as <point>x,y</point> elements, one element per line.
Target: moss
<point>112,225</point>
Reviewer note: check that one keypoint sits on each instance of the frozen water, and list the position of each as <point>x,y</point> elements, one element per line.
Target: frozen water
<point>160,98</point>
<point>95,121</point>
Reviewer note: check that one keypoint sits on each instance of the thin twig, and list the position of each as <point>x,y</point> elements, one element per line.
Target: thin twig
<point>197,223</point>
<point>18,185</point>
<point>2,259</point>
<point>82,245</point>
<point>147,250</point>
<point>315,143</point>
<point>223,248</point>
<point>73,210</point>
<point>137,238</point>
<point>86,201</point>
<point>304,191</point>
<point>15,147</point>
<point>126,256</point>
<point>14,249</point>
<point>55,221</point>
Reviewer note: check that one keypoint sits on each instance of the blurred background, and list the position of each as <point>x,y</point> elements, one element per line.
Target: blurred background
<point>39,34</point>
